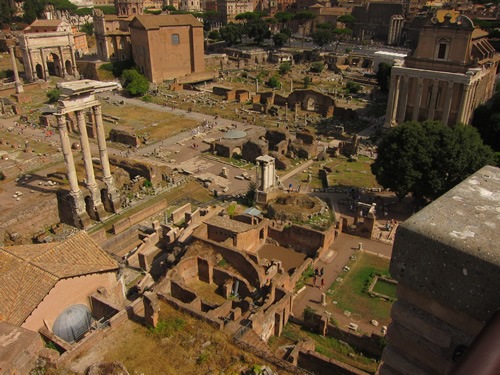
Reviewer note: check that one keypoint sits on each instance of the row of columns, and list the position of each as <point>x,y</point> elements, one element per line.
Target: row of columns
<point>399,93</point>
<point>395,27</point>
<point>80,214</point>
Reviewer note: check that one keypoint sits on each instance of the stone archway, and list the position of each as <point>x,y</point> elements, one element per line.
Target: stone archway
<point>69,67</point>
<point>310,104</point>
<point>39,71</point>
<point>54,65</point>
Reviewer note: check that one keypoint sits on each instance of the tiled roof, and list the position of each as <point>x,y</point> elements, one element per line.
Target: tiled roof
<point>47,23</point>
<point>29,272</point>
<point>156,21</point>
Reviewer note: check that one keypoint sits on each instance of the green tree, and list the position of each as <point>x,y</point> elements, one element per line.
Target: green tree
<point>322,37</point>
<point>231,33</point>
<point>427,159</point>
<point>303,18</point>
<point>63,5</point>
<point>83,12</point>
<point>53,95</point>
<point>317,67</point>
<point>88,28</point>
<point>134,82</point>
<point>352,87</point>
<point>107,9</point>
<point>280,39</point>
<point>274,82</point>
<point>347,19</point>
<point>487,121</point>
<point>384,76</point>
<point>307,81</point>
<point>285,68</point>
<point>284,18</point>
<point>7,11</point>
<point>33,9</point>
<point>214,35</point>
<point>258,30</point>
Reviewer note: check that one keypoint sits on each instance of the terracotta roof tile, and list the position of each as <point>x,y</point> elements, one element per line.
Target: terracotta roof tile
<point>29,272</point>
<point>156,21</point>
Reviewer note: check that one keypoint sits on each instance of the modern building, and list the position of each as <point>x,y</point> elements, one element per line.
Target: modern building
<point>229,9</point>
<point>167,46</point>
<point>450,73</point>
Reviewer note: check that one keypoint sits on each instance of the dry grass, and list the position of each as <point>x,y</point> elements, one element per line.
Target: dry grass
<point>158,124</point>
<point>179,345</point>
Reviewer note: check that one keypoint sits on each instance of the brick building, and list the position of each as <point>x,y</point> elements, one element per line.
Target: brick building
<point>450,73</point>
<point>38,282</point>
<point>167,46</point>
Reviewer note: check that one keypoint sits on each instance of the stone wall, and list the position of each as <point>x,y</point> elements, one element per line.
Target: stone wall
<point>446,261</point>
<point>303,239</point>
<point>179,215</point>
<point>123,136</point>
<point>136,218</point>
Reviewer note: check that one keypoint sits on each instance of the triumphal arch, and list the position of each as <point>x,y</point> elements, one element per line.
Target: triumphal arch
<point>48,48</point>
<point>96,197</point>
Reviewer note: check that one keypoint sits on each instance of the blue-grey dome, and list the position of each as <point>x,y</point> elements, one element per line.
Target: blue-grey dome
<point>73,323</point>
<point>235,134</point>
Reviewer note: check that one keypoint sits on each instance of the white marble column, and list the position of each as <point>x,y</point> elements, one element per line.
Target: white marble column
<point>432,104</point>
<point>447,103</point>
<point>404,100</point>
<point>463,104</point>
<point>392,104</point>
<point>75,192</point>
<point>103,155</point>
<point>61,62</point>
<point>418,99</point>
<point>44,65</point>
<point>87,159</point>
<point>19,85</point>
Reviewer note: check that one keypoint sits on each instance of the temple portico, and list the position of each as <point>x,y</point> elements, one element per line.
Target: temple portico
<point>418,94</point>
<point>79,97</point>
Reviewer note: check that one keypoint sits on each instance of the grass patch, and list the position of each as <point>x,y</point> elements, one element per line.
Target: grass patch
<point>353,173</point>
<point>385,288</point>
<point>349,293</point>
<point>332,348</point>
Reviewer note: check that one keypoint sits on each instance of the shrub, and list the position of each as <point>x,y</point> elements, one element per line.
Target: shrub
<point>134,82</point>
<point>285,68</point>
<point>352,87</point>
<point>317,67</point>
<point>53,95</point>
<point>274,82</point>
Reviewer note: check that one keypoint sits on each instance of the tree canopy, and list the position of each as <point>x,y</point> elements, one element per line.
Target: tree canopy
<point>384,76</point>
<point>134,82</point>
<point>231,33</point>
<point>280,39</point>
<point>487,121</point>
<point>427,159</point>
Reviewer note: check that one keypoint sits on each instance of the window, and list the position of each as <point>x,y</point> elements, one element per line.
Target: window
<point>442,51</point>
<point>175,39</point>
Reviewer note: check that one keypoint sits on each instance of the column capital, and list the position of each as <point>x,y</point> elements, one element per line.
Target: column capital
<point>61,120</point>
<point>97,109</point>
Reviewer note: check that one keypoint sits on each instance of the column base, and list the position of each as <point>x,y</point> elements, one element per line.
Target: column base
<point>81,220</point>
<point>100,211</point>
<point>19,88</point>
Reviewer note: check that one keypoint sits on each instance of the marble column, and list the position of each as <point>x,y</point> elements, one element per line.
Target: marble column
<point>392,105</point>
<point>64,73</point>
<point>19,85</point>
<point>44,65</point>
<point>80,217</point>
<point>418,99</point>
<point>447,103</point>
<point>103,155</point>
<point>89,168</point>
<point>433,102</point>
<point>404,100</point>
<point>463,103</point>
<point>73,62</point>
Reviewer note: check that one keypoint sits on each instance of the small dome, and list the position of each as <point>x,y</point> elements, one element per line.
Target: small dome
<point>235,134</point>
<point>73,323</point>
